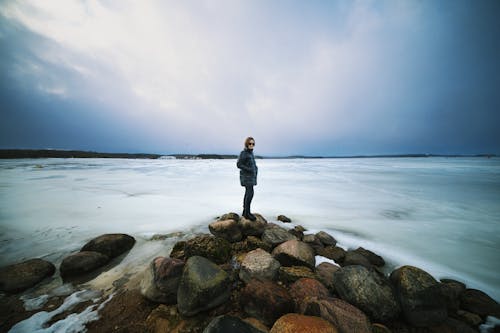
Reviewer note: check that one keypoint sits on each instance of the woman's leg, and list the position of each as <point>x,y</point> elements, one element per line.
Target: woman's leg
<point>247,200</point>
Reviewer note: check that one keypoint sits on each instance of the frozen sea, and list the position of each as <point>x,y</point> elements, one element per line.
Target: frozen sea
<point>440,214</point>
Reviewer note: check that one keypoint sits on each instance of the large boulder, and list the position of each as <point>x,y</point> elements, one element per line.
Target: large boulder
<point>161,280</point>
<point>372,257</point>
<point>213,248</point>
<point>420,296</point>
<point>326,239</point>
<point>230,324</point>
<point>307,287</point>
<point>276,235</point>
<point>296,323</point>
<point>248,244</point>
<point>451,291</point>
<point>265,300</point>
<point>21,276</point>
<point>324,273</point>
<point>230,216</point>
<point>478,302</point>
<point>313,242</point>
<point>203,286</point>
<point>259,264</point>
<point>355,258</point>
<point>227,229</point>
<point>81,263</point>
<point>451,325</point>
<point>344,316</point>
<point>111,245</point>
<point>367,290</point>
<point>252,228</point>
<point>295,253</point>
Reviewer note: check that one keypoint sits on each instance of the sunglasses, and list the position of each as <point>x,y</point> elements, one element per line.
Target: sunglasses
<point>251,144</point>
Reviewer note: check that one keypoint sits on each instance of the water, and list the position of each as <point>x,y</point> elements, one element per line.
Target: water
<point>440,214</point>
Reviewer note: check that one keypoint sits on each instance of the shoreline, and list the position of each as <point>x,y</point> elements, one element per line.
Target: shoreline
<point>124,287</point>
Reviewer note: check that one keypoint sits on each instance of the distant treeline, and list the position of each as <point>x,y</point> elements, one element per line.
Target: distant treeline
<point>53,153</point>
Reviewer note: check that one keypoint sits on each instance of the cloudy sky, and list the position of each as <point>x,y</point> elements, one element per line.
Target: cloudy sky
<point>302,77</point>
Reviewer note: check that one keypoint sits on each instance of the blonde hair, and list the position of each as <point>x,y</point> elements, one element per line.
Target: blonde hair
<point>247,141</point>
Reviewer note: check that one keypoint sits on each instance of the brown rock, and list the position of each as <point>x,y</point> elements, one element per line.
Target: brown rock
<point>313,242</point>
<point>178,250</point>
<point>373,258</point>
<point>296,323</point>
<point>161,280</point>
<point>21,276</point>
<point>307,287</point>
<point>335,253</point>
<point>230,216</point>
<point>213,248</point>
<point>469,318</point>
<point>480,303</point>
<point>82,263</point>
<point>283,219</point>
<point>451,325</point>
<point>324,272</point>
<point>167,319</point>
<point>451,292</point>
<point>355,258</point>
<point>252,228</point>
<point>111,245</point>
<point>379,328</point>
<point>295,253</point>
<point>227,229</point>
<point>326,239</point>
<point>344,316</point>
<point>265,300</point>
<point>259,264</point>
<point>276,235</point>
<point>291,274</point>
<point>248,244</point>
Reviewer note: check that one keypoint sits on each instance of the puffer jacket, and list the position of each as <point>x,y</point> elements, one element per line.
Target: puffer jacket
<point>248,168</point>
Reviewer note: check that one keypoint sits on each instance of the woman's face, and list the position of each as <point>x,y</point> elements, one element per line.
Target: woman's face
<point>251,145</point>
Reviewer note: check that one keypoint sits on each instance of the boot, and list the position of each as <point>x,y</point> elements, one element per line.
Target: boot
<point>251,217</point>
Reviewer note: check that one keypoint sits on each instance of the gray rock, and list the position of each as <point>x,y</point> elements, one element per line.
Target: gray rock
<point>419,294</point>
<point>367,290</point>
<point>295,253</point>
<point>373,258</point>
<point>230,324</point>
<point>355,258</point>
<point>326,239</point>
<point>276,235</point>
<point>203,286</point>
<point>252,228</point>
<point>345,317</point>
<point>324,272</point>
<point>213,248</point>
<point>111,245</point>
<point>230,216</point>
<point>480,303</point>
<point>21,276</point>
<point>313,242</point>
<point>227,229</point>
<point>81,263</point>
<point>259,264</point>
<point>161,280</point>
<point>335,253</point>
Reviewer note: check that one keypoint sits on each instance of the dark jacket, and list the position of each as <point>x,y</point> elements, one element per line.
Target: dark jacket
<point>248,168</point>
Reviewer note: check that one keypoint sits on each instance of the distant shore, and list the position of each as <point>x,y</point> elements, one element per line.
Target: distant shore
<point>54,153</point>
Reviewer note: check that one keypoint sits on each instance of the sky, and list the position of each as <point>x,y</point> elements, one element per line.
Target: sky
<point>301,77</point>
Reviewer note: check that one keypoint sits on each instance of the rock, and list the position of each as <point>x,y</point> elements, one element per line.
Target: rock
<point>21,276</point>
<point>379,328</point>
<point>227,229</point>
<point>161,280</point>
<point>167,319</point>
<point>420,296</point>
<point>230,324</point>
<point>307,287</point>
<point>373,258</point>
<point>324,272</point>
<point>478,302</point>
<point>283,219</point>
<point>297,232</point>
<point>82,263</point>
<point>368,291</point>
<point>111,245</point>
<point>257,324</point>
<point>291,274</point>
<point>248,244</point>
<point>451,292</point>
<point>295,253</point>
<point>313,242</point>
<point>448,281</point>
<point>345,317</point>
<point>252,228</point>
<point>469,318</point>
<point>178,250</point>
<point>213,248</point>
<point>230,216</point>
<point>451,325</point>
<point>259,264</point>
<point>326,239</point>
<point>276,235</point>
<point>296,323</point>
<point>265,300</point>
<point>355,258</point>
<point>335,253</point>
<point>203,286</point>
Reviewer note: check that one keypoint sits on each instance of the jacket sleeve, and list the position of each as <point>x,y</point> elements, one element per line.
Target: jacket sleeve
<point>243,162</point>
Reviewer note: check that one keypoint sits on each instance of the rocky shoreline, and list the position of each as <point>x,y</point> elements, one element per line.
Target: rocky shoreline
<point>250,276</point>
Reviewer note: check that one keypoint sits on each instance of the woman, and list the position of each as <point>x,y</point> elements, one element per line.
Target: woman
<point>248,175</point>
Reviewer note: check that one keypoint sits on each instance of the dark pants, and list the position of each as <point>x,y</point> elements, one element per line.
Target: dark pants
<point>247,200</point>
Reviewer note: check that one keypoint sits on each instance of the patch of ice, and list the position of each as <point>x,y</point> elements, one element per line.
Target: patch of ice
<point>35,303</point>
<point>73,323</point>
<point>320,259</point>
<point>489,325</point>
